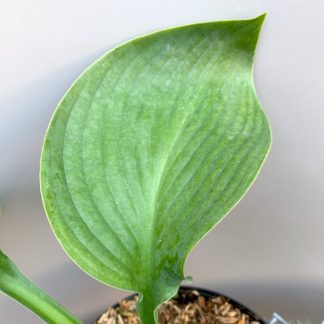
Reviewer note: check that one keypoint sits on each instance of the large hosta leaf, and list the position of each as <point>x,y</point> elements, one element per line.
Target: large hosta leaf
<point>149,149</point>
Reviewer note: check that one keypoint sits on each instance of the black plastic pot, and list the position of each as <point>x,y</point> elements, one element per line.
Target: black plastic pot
<point>212,294</point>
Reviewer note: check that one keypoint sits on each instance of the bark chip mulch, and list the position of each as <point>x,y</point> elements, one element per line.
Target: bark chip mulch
<point>188,307</point>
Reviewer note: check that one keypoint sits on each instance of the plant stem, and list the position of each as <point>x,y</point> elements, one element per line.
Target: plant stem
<point>146,311</point>
<point>20,288</point>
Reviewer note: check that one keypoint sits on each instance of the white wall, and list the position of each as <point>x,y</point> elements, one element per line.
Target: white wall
<point>269,252</point>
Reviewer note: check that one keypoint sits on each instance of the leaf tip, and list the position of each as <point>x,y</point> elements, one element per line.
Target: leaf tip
<point>251,30</point>
<point>260,18</point>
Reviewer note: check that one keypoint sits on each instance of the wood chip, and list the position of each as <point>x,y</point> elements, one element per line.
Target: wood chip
<point>241,320</point>
<point>201,302</point>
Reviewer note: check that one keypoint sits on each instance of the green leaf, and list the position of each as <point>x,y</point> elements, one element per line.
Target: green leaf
<point>149,149</point>
<point>16,285</point>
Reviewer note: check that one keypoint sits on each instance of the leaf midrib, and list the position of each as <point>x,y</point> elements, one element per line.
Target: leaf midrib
<point>164,169</point>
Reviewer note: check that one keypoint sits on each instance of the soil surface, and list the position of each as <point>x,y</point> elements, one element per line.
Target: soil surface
<point>188,306</point>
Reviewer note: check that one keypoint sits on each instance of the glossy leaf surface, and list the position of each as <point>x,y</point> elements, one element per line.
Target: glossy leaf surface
<point>149,149</point>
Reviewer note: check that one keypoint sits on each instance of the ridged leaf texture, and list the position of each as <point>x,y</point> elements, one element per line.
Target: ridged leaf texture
<point>150,148</point>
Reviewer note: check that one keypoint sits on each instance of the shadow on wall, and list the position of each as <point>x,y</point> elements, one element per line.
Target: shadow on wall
<point>87,298</point>
<point>24,116</point>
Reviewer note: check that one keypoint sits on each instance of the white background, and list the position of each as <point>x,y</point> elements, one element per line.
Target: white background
<point>269,252</point>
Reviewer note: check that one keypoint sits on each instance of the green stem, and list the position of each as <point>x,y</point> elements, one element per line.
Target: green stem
<point>146,311</point>
<point>20,288</point>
